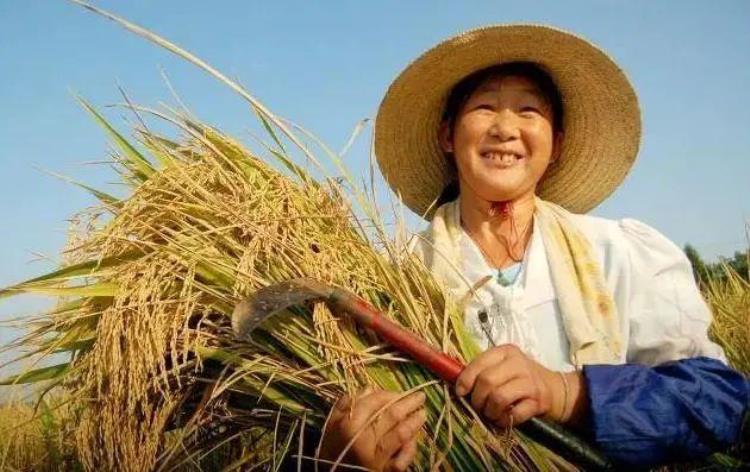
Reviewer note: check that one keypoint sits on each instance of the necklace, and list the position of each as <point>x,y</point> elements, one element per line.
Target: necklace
<point>509,252</point>
<point>499,314</point>
<point>504,317</point>
<point>505,211</point>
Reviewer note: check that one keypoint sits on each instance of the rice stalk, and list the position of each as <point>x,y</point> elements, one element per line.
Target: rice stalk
<point>156,378</point>
<point>148,300</point>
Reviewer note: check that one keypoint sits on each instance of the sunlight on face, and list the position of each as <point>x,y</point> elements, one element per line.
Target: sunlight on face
<point>502,140</point>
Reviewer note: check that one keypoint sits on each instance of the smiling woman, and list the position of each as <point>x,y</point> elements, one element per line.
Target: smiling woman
<point>586,321</point>
<point>501,129</point>
<point>506,124</point>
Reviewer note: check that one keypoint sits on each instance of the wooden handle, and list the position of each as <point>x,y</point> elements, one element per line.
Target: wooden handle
<point>442,365</point>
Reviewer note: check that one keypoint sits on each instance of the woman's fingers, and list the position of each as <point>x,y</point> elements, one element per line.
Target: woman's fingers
<point>520,413</point>
<point>503,397</point>
<point>368,410</point>
<point>403,432</point>
<point>344,405</point>
<point>489,380</point>
<point>504,380</point>
<point>340,408</point>
<point>405,457</point>
<point>385,420</point>
<point>496,355</point>
<point>376,425</point>
<point>401,410</point>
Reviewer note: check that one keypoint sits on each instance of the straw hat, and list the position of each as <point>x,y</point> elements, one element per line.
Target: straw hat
<point>600,112</point>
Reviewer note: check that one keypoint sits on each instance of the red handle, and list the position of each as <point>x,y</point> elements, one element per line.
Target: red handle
<point>445,367</point>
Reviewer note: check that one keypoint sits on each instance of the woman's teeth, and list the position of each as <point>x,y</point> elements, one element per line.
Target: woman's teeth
<point>503,159</point>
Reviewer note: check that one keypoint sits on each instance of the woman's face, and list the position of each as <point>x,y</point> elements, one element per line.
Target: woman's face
<point>502,139</point>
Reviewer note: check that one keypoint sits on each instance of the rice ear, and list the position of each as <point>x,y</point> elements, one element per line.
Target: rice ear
<point>150,324</point>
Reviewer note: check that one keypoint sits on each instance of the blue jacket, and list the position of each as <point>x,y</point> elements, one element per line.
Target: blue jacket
<point>674,412</point>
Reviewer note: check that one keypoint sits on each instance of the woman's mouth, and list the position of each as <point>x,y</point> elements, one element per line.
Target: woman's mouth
<point>501,159</point>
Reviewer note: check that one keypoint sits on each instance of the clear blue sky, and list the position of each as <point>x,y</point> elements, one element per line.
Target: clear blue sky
<point>326,64</point>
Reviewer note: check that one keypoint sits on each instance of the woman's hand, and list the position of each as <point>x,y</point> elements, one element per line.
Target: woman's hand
<point>508,388</point>
<point>388,442</point>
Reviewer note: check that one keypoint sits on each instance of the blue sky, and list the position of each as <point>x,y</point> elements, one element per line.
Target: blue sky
<point>326,65</point>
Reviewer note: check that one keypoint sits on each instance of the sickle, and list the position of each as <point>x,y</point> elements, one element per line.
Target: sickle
<point>268,301</point>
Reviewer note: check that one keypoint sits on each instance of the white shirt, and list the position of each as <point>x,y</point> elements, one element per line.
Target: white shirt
<point>662,314</point>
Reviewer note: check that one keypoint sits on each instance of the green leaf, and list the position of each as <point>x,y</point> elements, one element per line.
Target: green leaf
<point>163,150</point>
<point>99,289</point>
<point>79,345</point>
<point>213,275</point>
<point>103,197</point>
<point>297,170</point>
<point>71,335</point>
<point>47,282</point>
<point>37,375</point>
<point>269,129</point>
<point>135,161</point>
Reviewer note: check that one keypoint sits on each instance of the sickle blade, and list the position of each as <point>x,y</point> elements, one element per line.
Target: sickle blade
<point>268,301</point>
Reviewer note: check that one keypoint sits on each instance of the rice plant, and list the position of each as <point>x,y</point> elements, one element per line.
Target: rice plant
<point>157,378</point>
<point>34,437</point>
<point>729,299</point>
<point>149,292</point>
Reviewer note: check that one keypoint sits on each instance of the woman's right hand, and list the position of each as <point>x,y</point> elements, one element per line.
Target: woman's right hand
<point>388,442</point>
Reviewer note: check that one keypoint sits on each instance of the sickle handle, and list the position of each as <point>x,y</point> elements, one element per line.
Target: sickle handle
<point>445,367</point>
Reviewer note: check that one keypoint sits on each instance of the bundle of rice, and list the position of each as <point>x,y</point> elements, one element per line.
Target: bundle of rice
<point>156,377</point>
<point>150,291</point>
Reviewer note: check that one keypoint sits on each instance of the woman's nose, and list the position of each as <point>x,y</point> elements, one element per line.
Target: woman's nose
<point>505,126</point>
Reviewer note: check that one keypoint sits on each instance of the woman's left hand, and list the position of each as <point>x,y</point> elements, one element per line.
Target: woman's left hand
<point>508,387</point>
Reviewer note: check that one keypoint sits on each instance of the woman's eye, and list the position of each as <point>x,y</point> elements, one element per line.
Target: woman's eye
<point>484,106</point>
<point>529,109</point>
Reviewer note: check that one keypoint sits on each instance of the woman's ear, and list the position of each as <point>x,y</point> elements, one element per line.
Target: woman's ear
<point>557,146</point>
<point>445,138</point>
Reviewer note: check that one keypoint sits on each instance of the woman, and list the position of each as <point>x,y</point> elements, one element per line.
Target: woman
<point>502,137</point>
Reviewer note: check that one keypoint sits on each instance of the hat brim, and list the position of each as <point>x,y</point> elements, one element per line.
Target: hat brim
<point>600,111</point>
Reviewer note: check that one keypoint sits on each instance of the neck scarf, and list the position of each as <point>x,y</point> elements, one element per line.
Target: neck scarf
<point>588,312</point>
